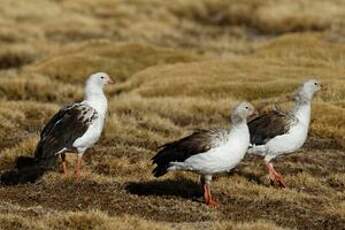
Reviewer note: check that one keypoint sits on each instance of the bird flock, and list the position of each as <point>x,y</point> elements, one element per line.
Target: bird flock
<point>207,152</point>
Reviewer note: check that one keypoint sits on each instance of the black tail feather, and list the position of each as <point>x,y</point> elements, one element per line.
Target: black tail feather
<point>24,161</point>
<point>22,176</point>
<point>160,170</point>
<point>27,169</point>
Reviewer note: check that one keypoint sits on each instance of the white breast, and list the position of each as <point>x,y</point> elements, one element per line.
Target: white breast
<point>224,157</point>
<point>295,138</point>
<point>94,131</point>
<point>91,136</point>
<point>289,142</point>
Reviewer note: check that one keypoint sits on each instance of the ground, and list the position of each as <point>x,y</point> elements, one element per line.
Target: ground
<point>178,65</point>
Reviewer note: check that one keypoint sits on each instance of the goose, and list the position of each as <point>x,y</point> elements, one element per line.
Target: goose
<point>74,128</point>
<point>207,151</point>
<point>275,133</point>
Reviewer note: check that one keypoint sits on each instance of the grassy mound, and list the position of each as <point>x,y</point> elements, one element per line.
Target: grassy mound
<point>178,66</point>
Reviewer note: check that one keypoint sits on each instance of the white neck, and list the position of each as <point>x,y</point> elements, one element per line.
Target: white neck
<point>239,135</point>
<point>241,125</point>
<point>302,112</point>
<point>95,97</point>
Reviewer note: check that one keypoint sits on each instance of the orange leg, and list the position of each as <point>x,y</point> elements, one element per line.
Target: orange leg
<point>275,176</point>
<point>64,164</point>
<point>208,197</point>
<point>77,169</point>
<point>64,168</point>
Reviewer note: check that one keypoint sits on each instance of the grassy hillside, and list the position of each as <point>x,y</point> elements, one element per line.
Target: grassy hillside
<point>178,65</point>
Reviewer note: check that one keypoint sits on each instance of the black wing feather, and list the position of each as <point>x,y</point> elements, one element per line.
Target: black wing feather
<point>178,151</point>
<point>63,129</point>
<point>268,125</point>
<point>60,132</point>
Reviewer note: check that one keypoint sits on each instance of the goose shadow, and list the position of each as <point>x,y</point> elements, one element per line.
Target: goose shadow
<point>184,188</point>
<point>251,177</point>
<point>248,174</point>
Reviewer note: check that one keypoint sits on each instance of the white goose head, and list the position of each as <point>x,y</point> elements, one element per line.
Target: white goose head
<point>241,112</point>
<point>99,79</point>
<point>307,90</point>
<point>94,94</point>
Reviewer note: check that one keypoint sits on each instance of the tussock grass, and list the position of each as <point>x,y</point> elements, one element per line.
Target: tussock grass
<point>98,220</point>
<point>27,86</point>
<point>16,56</point>
<point>178,66</point>
<point>78,220</point>
<point>120,61</point>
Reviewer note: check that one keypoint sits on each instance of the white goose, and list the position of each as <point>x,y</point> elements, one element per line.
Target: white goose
<point>74,128</point>
<point>208,152</point>
<point>275,133</point>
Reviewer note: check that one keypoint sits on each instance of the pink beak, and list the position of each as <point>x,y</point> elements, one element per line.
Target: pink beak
<point>254,114</point>
<point>110,81</point>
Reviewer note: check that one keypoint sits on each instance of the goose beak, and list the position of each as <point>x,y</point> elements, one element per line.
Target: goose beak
<point>288,98</point>
<point>110,81</point>
<point>323,87</point>
<point>254,114</point>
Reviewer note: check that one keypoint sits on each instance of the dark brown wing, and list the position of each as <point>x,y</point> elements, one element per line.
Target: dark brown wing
<point>178,151</point>
<point>268,125</point>
<point>63,129</point>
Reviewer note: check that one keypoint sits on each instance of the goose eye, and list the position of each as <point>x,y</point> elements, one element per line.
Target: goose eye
<point>247,107</point>
<point>102,77</point>
<point>315,83</point>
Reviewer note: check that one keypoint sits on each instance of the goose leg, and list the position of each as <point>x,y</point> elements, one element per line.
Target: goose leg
<point>275,176</point>
<point>210,202</point>
<point>77,169</point>
<point>205,189</point>
<point>64,164</point>
<point>205,193</point>
<point>205,180</point>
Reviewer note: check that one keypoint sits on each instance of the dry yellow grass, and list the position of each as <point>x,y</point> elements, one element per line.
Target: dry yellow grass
<point>94,219</point>
<point>178,65</point>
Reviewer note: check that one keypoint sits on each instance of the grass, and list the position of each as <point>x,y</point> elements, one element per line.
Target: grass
<point>178,66</point>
